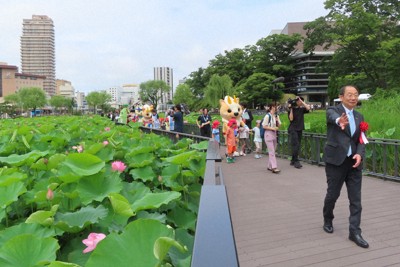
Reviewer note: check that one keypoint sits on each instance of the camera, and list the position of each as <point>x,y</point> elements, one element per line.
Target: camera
<point>292,102</point>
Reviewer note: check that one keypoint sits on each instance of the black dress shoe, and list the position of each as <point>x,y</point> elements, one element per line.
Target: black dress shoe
<point>297,165</point>
<point>357,238</point>
<point>328,228</point>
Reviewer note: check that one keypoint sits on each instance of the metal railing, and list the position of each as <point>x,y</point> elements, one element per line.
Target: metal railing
<point>381,155</point>
<point>214,242</point>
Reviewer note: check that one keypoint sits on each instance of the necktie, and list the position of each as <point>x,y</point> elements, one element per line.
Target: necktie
<point>352,128</point>
<point>352,123</point>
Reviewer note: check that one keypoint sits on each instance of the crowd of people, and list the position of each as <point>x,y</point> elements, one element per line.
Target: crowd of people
<point>173,120</point>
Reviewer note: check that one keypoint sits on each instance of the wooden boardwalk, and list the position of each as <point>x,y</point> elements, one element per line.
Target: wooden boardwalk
<point>277,218</point>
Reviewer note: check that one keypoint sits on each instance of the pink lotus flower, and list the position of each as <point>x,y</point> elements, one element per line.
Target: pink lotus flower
<point>92,240</point>
<point>105,142</point>
<point>78,148</point>
<point>118,166</point>
<point>107,129</point>
<point>50,194</point>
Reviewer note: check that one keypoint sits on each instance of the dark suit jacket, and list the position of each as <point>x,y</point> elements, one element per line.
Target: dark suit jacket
<point>338,140</point>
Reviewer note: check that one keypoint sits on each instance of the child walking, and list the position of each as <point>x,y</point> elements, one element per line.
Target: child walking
<point>215,131</point>
<point>257,140</point>
<point>243,139</point>
<point>231,140</point>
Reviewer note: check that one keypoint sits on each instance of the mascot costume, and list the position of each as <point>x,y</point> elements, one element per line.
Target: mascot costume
<point>146,115</point>
<point>230,109</point>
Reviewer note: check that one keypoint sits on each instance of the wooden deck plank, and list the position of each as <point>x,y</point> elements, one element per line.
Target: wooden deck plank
<point>277,219</point>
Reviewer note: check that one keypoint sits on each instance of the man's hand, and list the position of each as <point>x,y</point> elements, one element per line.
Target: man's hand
<point>357,157</point>
<point>343,121</point>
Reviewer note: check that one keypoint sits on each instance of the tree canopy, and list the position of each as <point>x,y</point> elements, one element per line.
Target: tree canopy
<point>152,91</point>
<point>28,98</point>
<point>98,99</point>
<point>367,37</point>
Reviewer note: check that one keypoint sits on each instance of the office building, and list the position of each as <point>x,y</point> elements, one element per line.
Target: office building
<point>11,80</point>
<point>306,80</point>
<point>130,95</point>
<point>38,50</point>
<point>65,88</point>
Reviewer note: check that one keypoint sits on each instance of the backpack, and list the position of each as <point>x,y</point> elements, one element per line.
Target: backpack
<point>262,130</point>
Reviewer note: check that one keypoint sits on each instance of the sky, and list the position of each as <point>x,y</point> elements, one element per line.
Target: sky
<point>103,43</point>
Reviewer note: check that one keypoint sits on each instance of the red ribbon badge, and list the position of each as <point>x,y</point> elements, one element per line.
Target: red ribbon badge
<point>363,127</point>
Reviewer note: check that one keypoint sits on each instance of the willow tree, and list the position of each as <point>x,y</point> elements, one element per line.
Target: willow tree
<point>218,87</point>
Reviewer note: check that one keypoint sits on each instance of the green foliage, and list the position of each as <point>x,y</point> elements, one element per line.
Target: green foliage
<point>183,94</point>
<point>140,207</point>
<point>218,87</point>
<point>59,101</point>
<point>97,99</point>
<point>366,36</point>
<point>152,91</point>
<point>28,98</point>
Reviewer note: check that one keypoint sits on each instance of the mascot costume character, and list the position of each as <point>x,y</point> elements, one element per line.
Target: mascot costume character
<point>146,115</point>
<point>230,109</point>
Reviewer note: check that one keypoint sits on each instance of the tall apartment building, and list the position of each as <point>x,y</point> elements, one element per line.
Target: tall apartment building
<point>38,50</point>
<point>165,74</point>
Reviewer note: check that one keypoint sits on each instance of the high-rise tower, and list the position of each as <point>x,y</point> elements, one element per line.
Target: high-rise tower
<point>38,50</point>
<point>165,74</point>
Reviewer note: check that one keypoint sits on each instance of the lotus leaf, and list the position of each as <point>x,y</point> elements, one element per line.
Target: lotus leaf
<point>183,218</point>
<point>10,193</point>
<point>178,258</point>
<point>84,164</point>
<point>154,200</point>
<point>162,246</point>
<point>10,175</point>
<point>145,174</point>
<point>140,160</point>
<point>75,221</point>
<point>25,228</point>
<point>18,160</point>
<point>134,191</point>
<point>99,186</point>
<point>133,247</point>
<point>120,205</point>
<point>28,250</point>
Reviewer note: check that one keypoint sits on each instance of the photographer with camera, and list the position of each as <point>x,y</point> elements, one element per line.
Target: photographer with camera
<point>297,109</point>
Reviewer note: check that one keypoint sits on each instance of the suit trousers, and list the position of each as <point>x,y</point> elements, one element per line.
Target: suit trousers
<point>336,176</point>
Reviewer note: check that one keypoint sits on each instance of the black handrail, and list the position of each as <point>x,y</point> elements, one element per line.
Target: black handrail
<point>214,242</point>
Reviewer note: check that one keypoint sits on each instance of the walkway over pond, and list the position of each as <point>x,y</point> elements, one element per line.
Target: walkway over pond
<point>277,218</point>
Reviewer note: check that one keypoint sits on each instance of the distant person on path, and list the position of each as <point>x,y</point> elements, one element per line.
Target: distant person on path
<point>178,119</point>
<point>243,139</point>
<point>215,131</point>
<point>204,123</point>
<point>343,157</point>
<point>271,123</point>
<point>296,127</point>
<point>247,116</point>
<point>123,115</point>
<point>231,140</point>
<point>257,140</point>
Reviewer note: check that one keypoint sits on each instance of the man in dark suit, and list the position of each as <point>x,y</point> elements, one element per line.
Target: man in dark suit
<point>343,158</point>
